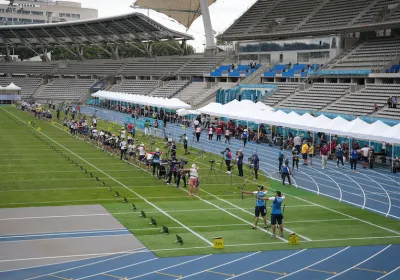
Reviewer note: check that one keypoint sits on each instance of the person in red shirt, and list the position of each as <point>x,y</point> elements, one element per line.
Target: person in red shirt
<point>219,133</point>
<point>324,155</point>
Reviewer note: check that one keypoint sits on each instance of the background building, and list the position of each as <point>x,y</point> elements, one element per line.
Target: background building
<point>15,12</point>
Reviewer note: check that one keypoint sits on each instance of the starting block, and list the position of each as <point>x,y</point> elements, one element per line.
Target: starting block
<point>218,242</point>
<point>293,239</point>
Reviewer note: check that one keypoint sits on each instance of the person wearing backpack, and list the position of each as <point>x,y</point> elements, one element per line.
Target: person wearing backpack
<point>285,173</point>
<point>339,155</point>
<point>228,158</point>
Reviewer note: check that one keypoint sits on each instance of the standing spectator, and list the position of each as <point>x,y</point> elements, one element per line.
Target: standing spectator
<point>324,155</point>
<point>227,137</point>
<point>281,157</point>
<point>304,152</point>
<point>240,156</point>
<point>285,174</point>
<point>198,133</point>
<point>156,127</point>
<point>339,155</point>
<point>147,125</point>
<point>394,101</point>
<point>365,155</point>
<point>196,123</point>
<point>297,143</point>
<point>384,148</point>
<point>228,159</point>
<point>311,153</point>
<point>219,133</point>
<point>353,159</point>
<point>244,137</point>
<point>210,133</point>
<point>295,158</point>
<point>256,165</point>
<point>194,179</point>
<point>389,102</point>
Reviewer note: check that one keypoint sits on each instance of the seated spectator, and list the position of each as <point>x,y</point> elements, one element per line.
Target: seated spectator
<point>389,102</point>
<point>394,101</point>
<point>375,107</point>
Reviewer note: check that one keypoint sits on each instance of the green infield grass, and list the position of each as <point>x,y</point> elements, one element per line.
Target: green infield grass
<point>42,165</point>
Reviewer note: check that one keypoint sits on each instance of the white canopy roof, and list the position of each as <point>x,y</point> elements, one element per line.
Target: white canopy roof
<point>12,86</point>
<point>166,103</point>
<point>247,111</point>
<point>185,112</point>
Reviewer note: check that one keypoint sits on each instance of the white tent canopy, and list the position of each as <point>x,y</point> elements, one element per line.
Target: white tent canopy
<point>185,112</point>
<point>12,86</point>
<point>357,128</point>
<point>159,102</point>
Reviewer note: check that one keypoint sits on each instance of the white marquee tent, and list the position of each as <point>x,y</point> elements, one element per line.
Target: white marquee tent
<point>357,128</point>
<point>172,103</point>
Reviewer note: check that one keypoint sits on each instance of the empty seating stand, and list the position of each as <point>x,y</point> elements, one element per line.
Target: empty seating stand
<point>28,85</point>
<point>65,89</point>
<point>198,66</point>
<point>154,67</point>
<point>316,97</point>
<point>362,102</point>
<point>142,87</point>
<point>284,90</point>
<point>189,93</point>
<point>27,68</point>
<point>100,68</point>
<point>374,54</point>
<point>170,89</point>
<point>226,70</point>
<point>283,70</point>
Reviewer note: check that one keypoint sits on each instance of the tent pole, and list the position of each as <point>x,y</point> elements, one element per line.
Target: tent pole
<point>393,157</point>
<point>258,135</point>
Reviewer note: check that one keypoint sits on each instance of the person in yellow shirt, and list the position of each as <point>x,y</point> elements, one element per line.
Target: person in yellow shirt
<point>304,152</point>
<point>311,153</point>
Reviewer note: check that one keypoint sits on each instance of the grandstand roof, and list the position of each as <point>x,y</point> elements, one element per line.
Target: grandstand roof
<point>133,27</point>
<point>183,11</point>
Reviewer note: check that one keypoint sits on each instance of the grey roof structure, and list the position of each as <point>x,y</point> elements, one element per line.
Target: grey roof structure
<point>133,27</point>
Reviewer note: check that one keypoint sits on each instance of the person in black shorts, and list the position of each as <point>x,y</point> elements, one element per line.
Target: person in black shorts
<point>260,205</point>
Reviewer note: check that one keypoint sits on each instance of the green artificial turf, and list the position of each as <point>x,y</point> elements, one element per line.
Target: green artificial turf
<point>35,173</point>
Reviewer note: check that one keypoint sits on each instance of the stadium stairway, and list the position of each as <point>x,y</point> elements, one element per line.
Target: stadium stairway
<point>347,54</point>
<point>313,13</point>
<point>255,77</point>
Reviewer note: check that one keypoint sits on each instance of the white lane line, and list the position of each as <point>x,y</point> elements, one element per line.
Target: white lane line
<point>135,264</point>
<point>211,268</point>
<point>61,233</point>
<point>388,197</point>
<point>67,237</point>
<point>118,182</point>
<point>390,272</point>
<point>139,250</point>
<point>231,225</point>
<point>340,189</point>
<point>354,181</point>
<point>304,268</point>
<point>373,256</point>
<point>248,212</point>
<point>312,179</point>
<point>172,266</point>
<point>358,219</point>
<point>247,272</point>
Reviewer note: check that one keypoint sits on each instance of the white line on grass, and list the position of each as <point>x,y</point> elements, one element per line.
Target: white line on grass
<point>335,211</point>
<point>373,256</point>
<point>118,182</point>
<point>212,268</point>
<point>247,272</point>
<point>390,272</point>
<point>304,268</point>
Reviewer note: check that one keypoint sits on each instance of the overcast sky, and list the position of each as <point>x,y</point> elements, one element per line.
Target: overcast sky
<point>223,13</point>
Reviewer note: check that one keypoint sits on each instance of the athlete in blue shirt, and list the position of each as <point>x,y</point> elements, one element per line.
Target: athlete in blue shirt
<point>276,215</point>
<point>260,205</point>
